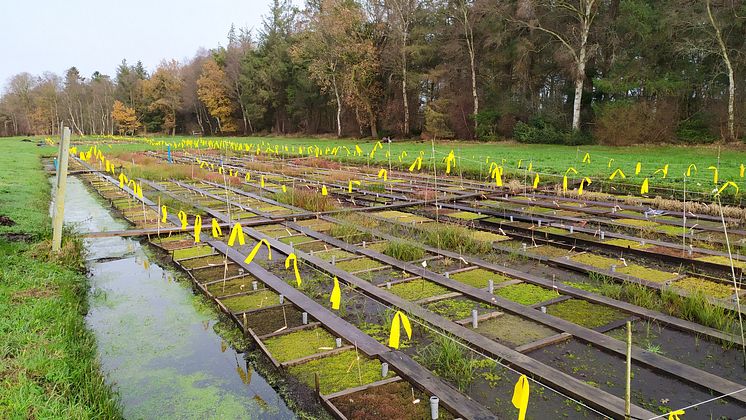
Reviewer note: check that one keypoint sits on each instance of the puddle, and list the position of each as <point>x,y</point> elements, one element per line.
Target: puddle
<point>155,341</point>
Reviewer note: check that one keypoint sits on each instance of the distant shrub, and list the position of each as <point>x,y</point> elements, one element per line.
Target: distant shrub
<point>627,122</point>
<point>539,131</point>
<point>695,130</point>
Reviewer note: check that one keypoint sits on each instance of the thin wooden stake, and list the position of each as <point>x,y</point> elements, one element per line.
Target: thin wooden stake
<point>628,394</point>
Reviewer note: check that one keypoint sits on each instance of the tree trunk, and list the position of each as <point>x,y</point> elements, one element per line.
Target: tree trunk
<point>731,78</point>
<point>580,71</point>
<point>405,129</point>
<point>373,124</point>
<point>339,106</point>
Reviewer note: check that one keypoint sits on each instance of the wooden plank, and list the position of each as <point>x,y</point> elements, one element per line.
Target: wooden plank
<point>263,348</point>
<point>551,301</point>
<point>480,318</point>
<point>548,341</point>
<point>290,330</point>
<point>349,391</point>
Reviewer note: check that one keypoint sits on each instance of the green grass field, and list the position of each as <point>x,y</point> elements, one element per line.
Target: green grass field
<point>49,367</point>
<point>550,161</point>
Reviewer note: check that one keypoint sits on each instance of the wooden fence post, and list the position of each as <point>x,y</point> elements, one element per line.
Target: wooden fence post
<point>59,198</point>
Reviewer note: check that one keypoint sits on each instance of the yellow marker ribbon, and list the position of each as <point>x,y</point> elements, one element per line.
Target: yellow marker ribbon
<point>236,233</point>
<point>583,182</point>
<point>284,189</point>
<point>248,177</point>
<point>726,185</point>
<point>261,181</point>
<point>122,180</point>
<point>183,218</point>
<point>383,174</point>
<point>336,297</point>
<point>253,252</point>
<point>451,158</point>
<point>294,259</point>
<point>609,164</point>
<point>536,181</point>
<point>644,187</point>
<point>638,168</point>
<point>689,169</point>
<point>197,228</point>
<point>674,415</point>
<point>587,158</point>
<point>743,169</point>
<point>714,174</point>
<point>358,150</point>
<point>164,212</point>
<point>351,183</point>
<point>530,166</point>
<point>520,396</point>
<point>418,163</point>
<point>664,170</point>
<point>394,336</point>
<point>617,172</point>
<point>520,162</point>
<point>324,192</point>
<point>497,175</point>
<point>216,231</point>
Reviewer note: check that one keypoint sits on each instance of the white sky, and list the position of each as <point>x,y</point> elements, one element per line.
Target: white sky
<point>53,35</point>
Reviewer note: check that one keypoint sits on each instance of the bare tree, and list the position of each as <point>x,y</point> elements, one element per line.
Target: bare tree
<point>403,14</point>
<point>723,52</point>
<point>465,17</point>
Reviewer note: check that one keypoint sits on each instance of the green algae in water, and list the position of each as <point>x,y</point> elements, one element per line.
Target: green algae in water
<point>195,251</point>
<point>418,289</point>
<point>526,294</point>
<point>455,309</point>
<point>253,300</point>
<point>711,288</point>
<point>359,264</point>
<point>478,278</point>
<point>300,344</point>
<point>338,372</point>
<point>513,330</point>
<point>584,313</point>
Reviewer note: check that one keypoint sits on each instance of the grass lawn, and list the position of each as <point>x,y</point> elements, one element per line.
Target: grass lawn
<point>49,367</point>
<point>551,161</point>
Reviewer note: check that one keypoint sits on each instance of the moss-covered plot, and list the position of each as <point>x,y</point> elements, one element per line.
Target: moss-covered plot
<point>211,260</point>
<point>230,287</point>
<point>341,371</point>
<point>526,294</point>
<point>584,313</point>
<point>634,270</point>
<point>252,300</point>
<point>417,289</point>
<point>196,251</point>
<point>466,215</point>
<point>478,278</point>
<point>456,309</point>
<point>484,236</point>
<point>707,287</point>
<point>723,260</point>
<point>359,264</point>
<point>398,400</point>
<point>300,344</point>
<point>336,254</point>
<point>513,330</point>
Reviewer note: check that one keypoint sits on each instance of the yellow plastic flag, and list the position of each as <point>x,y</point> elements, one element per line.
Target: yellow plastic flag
<point>216,231</point>
<point>383,174</point>
<point>638,168</point>
<point>236,233</point>
<point>197,228</point>
<point>220,170</point>
<point>351,183</point>
<point>294,259</point>
<point>358,150</point>
<point>674,415</point>
<point>726,185</point>
<point>122,179</point>
<point>261,181</point>
<point>609,164</point>
<point>564,183</point>
<point>644,187</point>
<point>536,181</point>
<point>520,162</point>
<point>743,168</point>
<point>336,297</point>
<point>520,396</point>
<point>394,336</point>
<point>253,252</point>
<point>164,212</point>
<point>530,166</point>
<point>497,175</point>
<point>183,218</point>
<point>664,170</point>
<point>324,192</point>
<point>248,177</point>
<point>617,172</point>
<point>583,182</point>
<point>689,169</point>
<point>714,174</point>
<point>450,159</point>
<point>284,188</point>
<point>587,158</point>
<point>417,163</point>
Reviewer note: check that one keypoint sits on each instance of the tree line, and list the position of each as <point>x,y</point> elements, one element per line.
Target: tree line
<point>540,71</point>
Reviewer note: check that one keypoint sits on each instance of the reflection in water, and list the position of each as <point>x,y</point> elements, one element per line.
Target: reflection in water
<point>156,345</point>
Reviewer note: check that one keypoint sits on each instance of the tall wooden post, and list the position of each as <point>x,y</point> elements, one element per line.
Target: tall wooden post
<point>59,198</point>
<point>628,394</point>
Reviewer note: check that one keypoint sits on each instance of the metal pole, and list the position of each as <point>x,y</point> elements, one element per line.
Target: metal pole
<point>59,198</point>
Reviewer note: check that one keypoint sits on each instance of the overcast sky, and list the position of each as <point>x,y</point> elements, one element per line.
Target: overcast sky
<point>53,35</point>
